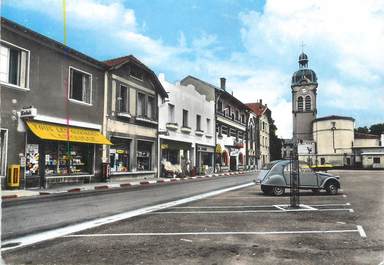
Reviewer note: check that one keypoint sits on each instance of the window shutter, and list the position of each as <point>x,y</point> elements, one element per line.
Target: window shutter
<point>4,64</point>
<point>23,69</point>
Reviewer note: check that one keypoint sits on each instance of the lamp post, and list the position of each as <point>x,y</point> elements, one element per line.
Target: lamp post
<point>333,128</point>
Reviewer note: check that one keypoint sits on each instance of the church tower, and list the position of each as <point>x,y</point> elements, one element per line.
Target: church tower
<point>304,92</point>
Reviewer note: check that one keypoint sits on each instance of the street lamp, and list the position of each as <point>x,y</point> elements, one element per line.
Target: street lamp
<point>333,128</point>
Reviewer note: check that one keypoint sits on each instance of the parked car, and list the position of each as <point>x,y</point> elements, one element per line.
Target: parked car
<point>274,178</point>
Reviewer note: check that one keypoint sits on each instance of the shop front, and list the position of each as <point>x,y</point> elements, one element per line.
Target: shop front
<point>176,158</point>
<point>204,161</point>
<point>251,159</point>
<point>57,153</point>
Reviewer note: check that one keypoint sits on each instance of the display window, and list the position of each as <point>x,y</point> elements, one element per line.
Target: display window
<point>119,155</point>
<point>144,154</point>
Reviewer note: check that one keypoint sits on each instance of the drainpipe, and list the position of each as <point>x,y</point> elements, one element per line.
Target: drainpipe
<point>105,114</point>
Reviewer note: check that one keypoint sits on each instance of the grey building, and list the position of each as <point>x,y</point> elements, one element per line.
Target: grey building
<point>51,96</point>
<point>131,118</point>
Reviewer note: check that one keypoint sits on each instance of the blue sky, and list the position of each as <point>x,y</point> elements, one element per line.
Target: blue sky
<point>254,44</point>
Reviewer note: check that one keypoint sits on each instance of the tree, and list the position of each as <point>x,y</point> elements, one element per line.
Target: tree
<point>377,129</point>
<point>274,142</point>
<point>362,129</point>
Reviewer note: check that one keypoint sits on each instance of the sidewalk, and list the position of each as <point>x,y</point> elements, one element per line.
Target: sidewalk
<point>131,182</point>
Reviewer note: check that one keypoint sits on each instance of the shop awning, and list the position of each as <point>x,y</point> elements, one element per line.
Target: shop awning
<point>48,131</point>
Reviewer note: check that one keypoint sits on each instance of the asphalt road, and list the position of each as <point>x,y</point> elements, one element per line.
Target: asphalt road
<point>35,215</point>
<point>237,227</point>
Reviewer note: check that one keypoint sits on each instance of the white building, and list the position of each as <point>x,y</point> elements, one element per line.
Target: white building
<point>186,129</point>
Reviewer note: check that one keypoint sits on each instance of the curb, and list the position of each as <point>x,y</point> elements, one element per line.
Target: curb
<point>128,184</point>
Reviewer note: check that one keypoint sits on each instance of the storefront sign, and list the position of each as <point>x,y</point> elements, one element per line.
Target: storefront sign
<point>23,161</point>
<point>205,149</point>
<point>218,149</point>
<point>28,112</point>
<point>119,151</point>
<point>234,151</point>
<point>164,146</point>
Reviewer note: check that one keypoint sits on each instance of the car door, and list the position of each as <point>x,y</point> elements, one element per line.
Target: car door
<point>308,177</point>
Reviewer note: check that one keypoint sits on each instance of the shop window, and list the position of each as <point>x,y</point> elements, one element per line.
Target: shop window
<point>136,73</point>
<point>151,108</point>
<point>119,155</point>
<point>376,160</point>
<point>144,154</point>
<point>185,118</point>
<point>198,123</point>
<point>140,104</point>
<point>74,159</point>
<point>32,160</point>
<point>308,103</point>
<point>300,103</point>
<point>3,151</point>
<point>171,113</point>
<point>14,65</point>
<point>123,99</point>
<point>80,88</point>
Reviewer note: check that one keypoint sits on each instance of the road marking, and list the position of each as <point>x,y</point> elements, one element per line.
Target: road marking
<point>252,206</point>
<point>361,231</point>
<point>51,234</point>
<point>344,195</point>
<point>251,211</point>
<point>303,207</point>
<point>223,233</point>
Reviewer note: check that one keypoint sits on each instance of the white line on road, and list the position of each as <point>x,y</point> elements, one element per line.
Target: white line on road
<point>361,231</point>
<point>345,196</point>
<point>252,206</point>
<point>36,238</point>
<point>223,233</point>
<point>251,211</point>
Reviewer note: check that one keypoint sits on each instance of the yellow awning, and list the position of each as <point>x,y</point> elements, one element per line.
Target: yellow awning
<point>55,132</point>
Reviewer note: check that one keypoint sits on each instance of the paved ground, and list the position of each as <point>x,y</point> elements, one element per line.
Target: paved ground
<point>236,227</point>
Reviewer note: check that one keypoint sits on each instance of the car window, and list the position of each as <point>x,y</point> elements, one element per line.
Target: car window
<point>268,166</point>
<point>287,170</point>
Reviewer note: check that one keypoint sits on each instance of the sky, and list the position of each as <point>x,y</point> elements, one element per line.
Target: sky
<point>254,44</point>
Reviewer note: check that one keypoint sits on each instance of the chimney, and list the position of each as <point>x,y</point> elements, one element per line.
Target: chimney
<point>261,101</point>
<point>222,83</point>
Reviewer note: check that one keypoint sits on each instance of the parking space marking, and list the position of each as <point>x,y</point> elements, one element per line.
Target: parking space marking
<point>251,211</point>
<point>254,206</point>
<point>51,234</point>
<point>302,207</point>
<point>359,230</point>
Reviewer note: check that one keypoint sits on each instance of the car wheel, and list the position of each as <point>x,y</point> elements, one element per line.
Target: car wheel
<point>316,190</point>
<point>266,189</point>
<point>332,188</point>
<point>278,191</point>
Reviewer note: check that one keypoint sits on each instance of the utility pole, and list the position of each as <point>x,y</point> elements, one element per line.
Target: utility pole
<point>295,174</point>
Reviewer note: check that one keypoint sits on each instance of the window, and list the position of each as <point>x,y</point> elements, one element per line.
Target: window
<point>14,65</point>
<point>123,99</point>
<point>136,73</point>
<point>220,106</point>
<point>376,160</point>
<point>119,155</point>
<point>233,132</point>
<point>300,104</point>
<point>3,152</point>
<point>224,130</point>
<point>185,118</point>
<point>308,103</point>
<point>237,115</point>
<point>140,104</point>
<point>242,118</point>
<point>144,155</point>
<point>208,126</point>
<point>80,85</point>
<point>151,108</point>
<point>228,111</point>
<point>171,113</point>
<point>198,123</point>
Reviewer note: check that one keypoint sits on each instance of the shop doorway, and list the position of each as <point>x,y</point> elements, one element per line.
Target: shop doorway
<point>232,163</point>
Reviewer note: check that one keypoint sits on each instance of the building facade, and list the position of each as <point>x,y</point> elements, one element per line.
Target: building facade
<point>263,118</point>
<point>186,127</point>
<point>131,118</point>
<point>230,125</point>
<point>50,119</point>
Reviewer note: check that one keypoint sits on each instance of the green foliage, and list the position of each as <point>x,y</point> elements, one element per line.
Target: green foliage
<point>376,129</point>
<point>274,142</point>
